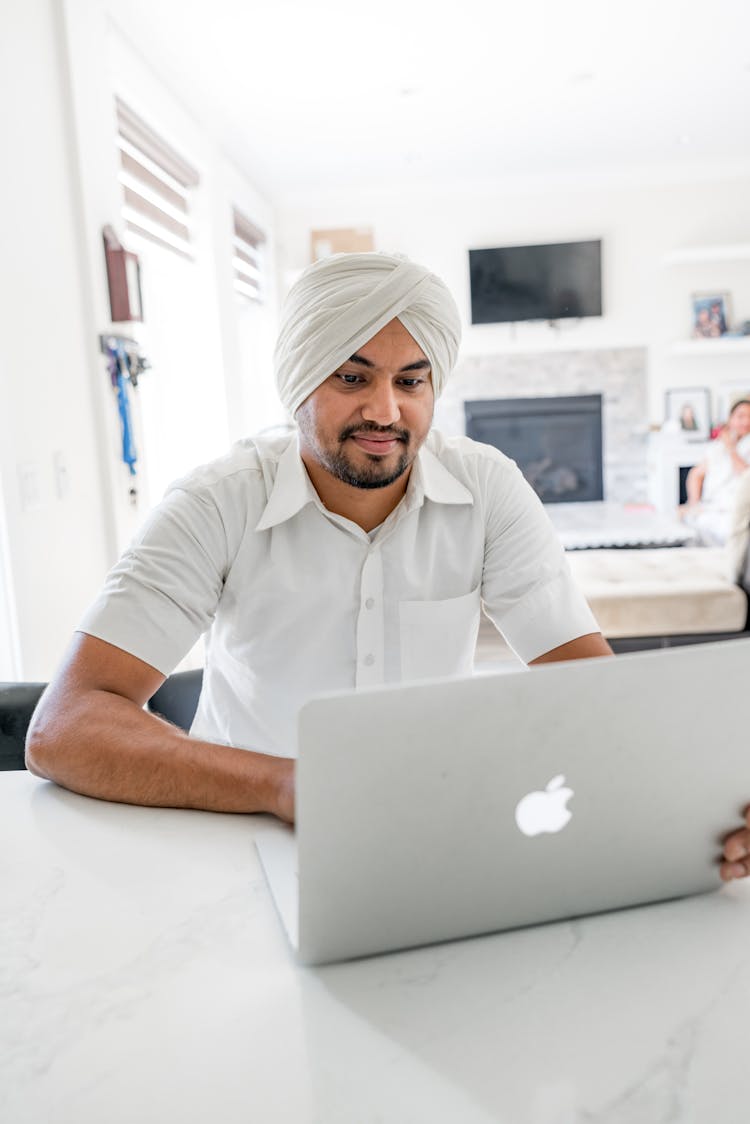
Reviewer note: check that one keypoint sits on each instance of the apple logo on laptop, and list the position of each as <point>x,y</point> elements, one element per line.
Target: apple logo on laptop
<point>545,810</point>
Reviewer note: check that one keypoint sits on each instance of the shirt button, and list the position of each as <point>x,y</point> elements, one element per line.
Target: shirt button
<point>369,602</point>
<point>369,660</point>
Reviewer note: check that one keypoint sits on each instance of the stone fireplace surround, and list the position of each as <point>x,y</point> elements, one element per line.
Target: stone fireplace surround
<point>618,374</point>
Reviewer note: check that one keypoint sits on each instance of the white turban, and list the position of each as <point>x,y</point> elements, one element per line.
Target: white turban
<point>340,303</point>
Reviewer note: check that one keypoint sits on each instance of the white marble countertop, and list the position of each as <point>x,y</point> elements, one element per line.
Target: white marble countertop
<point>588,526</point>
<point>144,977</point>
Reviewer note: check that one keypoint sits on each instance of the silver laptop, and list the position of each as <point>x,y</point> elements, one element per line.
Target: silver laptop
<point>432,811</point>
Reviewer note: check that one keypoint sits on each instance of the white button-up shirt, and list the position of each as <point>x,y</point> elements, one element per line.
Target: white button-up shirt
<point>300,601</point>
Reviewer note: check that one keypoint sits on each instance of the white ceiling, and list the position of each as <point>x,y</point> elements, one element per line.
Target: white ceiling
<point>339,93</point>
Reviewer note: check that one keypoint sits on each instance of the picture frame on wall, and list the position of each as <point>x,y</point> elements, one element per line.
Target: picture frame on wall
<point>728,395</point>
<point>123,280</point>
<point>710,315</point>
<point>687,411</point>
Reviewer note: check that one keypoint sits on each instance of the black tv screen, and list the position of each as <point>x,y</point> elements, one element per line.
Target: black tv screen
<point>554,282</point>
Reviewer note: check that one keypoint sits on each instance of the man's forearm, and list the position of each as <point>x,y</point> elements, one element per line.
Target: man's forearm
<point>104,745</point>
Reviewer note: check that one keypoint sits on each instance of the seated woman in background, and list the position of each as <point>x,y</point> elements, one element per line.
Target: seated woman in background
<point>712,485</point>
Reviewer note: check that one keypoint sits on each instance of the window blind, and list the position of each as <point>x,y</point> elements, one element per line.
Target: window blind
<point>156,184</point>
<point>248,258</point>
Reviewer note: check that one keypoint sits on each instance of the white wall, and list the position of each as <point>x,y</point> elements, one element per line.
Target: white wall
<point>10,653</point>
<point>58,535</point>
<point>248,329</point>
<point>209,396</point>
<point>645,302</point>
<point>59,431</point>
<point>198,397</point>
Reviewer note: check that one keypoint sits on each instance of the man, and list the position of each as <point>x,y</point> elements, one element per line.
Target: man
<point>712,486</point>
<point>353,553</point>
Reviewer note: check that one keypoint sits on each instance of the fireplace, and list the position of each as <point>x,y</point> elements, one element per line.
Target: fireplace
<point>556,442</point>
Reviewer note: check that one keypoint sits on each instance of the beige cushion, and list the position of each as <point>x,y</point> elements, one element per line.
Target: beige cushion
<point>659,592</point>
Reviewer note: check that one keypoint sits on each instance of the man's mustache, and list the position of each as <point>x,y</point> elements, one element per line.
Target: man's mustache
<point>371,427</point>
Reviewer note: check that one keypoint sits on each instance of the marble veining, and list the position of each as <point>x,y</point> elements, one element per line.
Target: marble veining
<point>145,976</point>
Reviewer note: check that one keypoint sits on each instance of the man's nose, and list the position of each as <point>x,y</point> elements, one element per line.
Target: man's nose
<point>381,405</point>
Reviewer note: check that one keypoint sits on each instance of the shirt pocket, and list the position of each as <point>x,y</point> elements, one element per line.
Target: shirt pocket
<point>438,638</point>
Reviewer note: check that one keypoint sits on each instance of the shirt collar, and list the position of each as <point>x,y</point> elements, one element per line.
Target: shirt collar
<point>431,480</point>
<point>292,489</point>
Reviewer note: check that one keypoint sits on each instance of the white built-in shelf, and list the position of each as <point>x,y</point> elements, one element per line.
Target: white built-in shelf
<point>735,251</point>
<point>703,348</point>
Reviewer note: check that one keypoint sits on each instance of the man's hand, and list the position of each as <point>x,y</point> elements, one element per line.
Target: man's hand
<point>737,853</point>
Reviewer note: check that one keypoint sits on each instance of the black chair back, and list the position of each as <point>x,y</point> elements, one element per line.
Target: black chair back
<point>177,698</point>
<point>17,703</point>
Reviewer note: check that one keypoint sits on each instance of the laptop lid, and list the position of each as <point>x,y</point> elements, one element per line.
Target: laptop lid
<point>437,810</point>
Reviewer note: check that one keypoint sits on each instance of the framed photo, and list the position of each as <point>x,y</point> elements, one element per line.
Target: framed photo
<point>710,315</point>
<point>123,279</point>
<point>688,412</point>
<point>728,395</point>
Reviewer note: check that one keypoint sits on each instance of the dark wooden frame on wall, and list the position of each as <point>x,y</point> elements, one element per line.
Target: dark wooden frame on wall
<point>123,279</point>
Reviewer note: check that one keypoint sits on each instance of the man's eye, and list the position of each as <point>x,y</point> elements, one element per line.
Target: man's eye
<point>412,384</point>
<point>348,378</point>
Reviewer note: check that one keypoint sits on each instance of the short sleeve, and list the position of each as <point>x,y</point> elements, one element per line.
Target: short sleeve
<point>528,590</point>
<point>163,593</point>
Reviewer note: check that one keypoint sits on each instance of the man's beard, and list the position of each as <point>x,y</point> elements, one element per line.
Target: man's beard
<point>374,474</point>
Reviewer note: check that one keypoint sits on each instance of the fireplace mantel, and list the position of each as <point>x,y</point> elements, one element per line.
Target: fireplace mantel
<point>618,374</point>
<point>556,441</point>
<point>667,454</point>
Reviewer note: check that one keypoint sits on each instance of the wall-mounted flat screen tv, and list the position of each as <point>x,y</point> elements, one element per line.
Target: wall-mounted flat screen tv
<point>559,281</point>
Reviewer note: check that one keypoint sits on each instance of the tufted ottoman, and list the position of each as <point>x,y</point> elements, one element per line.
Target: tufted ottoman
<point>672,592</point>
